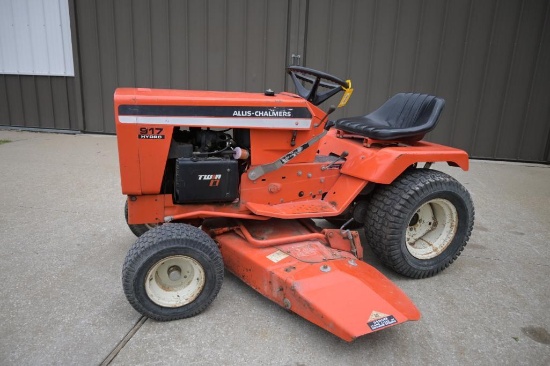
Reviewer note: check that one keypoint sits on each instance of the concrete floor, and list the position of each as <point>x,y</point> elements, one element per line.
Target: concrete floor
<point>63,240</point>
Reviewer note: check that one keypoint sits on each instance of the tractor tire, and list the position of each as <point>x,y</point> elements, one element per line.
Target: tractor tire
<point>419,224</point>
<point>173,271</point>
<point>137,229</point>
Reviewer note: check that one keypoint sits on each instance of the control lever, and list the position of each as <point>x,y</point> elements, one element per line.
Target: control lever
<point>261,170</point>
<point>341,157</point>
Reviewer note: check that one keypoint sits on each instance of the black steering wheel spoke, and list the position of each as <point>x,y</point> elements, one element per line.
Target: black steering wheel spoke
<point>316,79</point>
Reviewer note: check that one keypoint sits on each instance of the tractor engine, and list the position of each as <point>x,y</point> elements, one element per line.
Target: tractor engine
<point>203,166</point>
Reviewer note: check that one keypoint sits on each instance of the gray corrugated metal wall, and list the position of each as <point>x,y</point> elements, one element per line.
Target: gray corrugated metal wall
<point>38,101</point>
<point>489,59</point>
<point>51,102</point>
<point>215,45</point>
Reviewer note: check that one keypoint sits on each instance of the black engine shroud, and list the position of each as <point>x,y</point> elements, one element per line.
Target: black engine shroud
<point>201,180</point>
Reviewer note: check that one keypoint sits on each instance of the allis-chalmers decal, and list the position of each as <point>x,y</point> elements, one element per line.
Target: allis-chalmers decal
<point>263,113</point>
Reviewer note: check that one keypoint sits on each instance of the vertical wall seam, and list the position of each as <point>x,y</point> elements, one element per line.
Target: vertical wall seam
<point>187,82</point>
<point>205,54</point>
<point>288,45</point>
<point>51,99</point>
<point>29,25</point>
<point>264,46</point>
<point>461,76</point>
<point>150,36</point>
<point>46,32</point>
<point>329,41</point>
<point>169,36</point>
<point>62,39</point>
<point>80,108</point>
<point>546,156</point>
<point>532,84</point>
<point>10,118</point>
<point>225,41</point>
<point>350,49</point>
<point>394,48</point>
<point>24,122</point>
<point>485,76</point>
<point>13,17</point>
<point>115,42</point>
<point>508,79</point>
<point>418,41</point>
<point>245,32</point>
<point>36,98</point>
<point>99,65</point>
<point>372,47</point>
<point>441,43</point>
<point>350,37</point>
<point>133,44</point>
<point>306,28</point>
<point>68,106</point>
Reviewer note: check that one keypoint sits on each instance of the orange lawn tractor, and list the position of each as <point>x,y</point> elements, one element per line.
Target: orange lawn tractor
<point>232,179</point>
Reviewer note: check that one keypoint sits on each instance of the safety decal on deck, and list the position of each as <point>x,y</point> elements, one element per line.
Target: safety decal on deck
<point>378,320</point>
<point>277,256</point>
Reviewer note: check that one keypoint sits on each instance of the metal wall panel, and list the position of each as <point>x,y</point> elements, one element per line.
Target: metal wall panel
<point>38,102</point>
<point>217,45</point>
<point>488,59</point>
<point>42,101</point>
<point>35,38</point>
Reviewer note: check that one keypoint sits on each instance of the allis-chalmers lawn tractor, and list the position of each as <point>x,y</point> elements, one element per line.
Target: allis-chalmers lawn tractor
<point>236,179</point>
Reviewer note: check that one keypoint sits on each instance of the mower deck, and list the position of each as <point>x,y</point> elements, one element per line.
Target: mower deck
<point>313,274</point>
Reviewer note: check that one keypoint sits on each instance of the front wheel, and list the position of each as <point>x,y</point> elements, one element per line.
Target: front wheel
<point>173,271</point>
<point>419,224</point>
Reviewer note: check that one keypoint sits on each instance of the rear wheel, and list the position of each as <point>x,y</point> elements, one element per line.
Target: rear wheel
<point>420,223</point>
<point>173,271</point>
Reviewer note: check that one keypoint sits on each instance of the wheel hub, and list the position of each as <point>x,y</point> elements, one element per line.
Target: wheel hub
<point>174,273</point>
<point>175,281</point>
<point>431,228</point>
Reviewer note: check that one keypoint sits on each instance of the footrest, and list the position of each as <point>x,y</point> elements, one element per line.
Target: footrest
<point>294,210</point>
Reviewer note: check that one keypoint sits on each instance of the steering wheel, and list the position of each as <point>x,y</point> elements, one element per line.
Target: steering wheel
<point>316,79</point>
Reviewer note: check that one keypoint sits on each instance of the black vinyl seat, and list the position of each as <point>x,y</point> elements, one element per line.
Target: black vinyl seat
<point>404,117</point>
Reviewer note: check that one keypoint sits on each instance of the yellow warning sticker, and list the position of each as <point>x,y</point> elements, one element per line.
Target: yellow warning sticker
<point>347,94</point>
<point>377,315</point>
<point>277,256</point>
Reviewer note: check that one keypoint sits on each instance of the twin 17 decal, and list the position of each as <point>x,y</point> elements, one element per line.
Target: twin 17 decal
<point>151,133</point>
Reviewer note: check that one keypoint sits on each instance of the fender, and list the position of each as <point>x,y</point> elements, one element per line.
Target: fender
<point>383,164</point>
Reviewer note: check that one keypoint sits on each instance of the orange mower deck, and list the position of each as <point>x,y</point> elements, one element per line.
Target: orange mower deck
<point>314,275</point>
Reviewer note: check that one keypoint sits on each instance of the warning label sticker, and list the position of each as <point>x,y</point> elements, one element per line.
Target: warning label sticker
<point>383,322</point>
<point>377,315</point>
<point>277,256</point>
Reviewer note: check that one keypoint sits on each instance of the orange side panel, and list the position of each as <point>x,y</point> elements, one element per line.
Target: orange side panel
<point>145,209</point>
<point>383,164</point>
<point>292,182</point>
<point>270,145</point>
<point>153,154</point>
<point>128,150</point>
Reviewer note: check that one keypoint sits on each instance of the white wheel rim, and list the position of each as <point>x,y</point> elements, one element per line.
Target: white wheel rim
<point>175,281</point>
<point>432,228</point>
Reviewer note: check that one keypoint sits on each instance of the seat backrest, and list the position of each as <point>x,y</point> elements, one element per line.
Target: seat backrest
<point>405,110</point>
